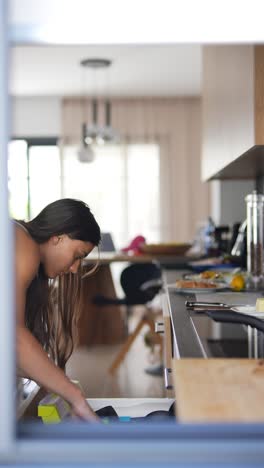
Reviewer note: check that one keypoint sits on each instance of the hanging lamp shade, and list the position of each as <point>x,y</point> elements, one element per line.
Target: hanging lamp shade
<point>93,132</point>
<point>109,134</point>
<point>85,153</point>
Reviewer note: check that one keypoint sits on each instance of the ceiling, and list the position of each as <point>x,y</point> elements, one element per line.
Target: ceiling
<point>169,64</point>
<point>136,70</point>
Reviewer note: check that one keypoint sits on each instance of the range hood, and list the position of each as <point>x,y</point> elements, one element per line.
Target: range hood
<point>249,165</point>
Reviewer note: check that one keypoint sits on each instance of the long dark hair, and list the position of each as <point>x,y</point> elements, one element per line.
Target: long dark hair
<point>53,306</point>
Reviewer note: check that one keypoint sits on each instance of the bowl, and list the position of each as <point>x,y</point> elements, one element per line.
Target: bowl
<point>165,248</point>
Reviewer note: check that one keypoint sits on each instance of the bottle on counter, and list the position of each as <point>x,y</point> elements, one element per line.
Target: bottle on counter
<point>255,226</point>
<point>211,246</point>
<point>222,238</point>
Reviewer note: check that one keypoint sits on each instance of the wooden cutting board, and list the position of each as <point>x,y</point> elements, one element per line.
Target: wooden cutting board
<point>226,390</point>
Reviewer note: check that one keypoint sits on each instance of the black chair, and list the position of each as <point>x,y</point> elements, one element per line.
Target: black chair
<point>140,282</point>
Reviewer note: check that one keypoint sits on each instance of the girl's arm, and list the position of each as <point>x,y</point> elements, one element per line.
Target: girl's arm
<point>33,362</point>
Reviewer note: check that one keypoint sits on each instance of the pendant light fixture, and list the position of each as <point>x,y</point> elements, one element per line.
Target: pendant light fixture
<point>85,153</point>
<point>94,133</point>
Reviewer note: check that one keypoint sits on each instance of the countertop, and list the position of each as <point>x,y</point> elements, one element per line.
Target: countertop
<point>189,337</point>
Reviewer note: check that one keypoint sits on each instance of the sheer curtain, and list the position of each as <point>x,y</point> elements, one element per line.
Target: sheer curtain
<point>174,124</point>
<point>121,186</point>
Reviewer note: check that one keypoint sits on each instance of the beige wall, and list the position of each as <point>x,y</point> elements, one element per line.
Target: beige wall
<point>35,116</point>
<point>228,105</point>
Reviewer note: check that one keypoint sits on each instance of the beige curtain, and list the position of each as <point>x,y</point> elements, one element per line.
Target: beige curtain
<point>175,124</point>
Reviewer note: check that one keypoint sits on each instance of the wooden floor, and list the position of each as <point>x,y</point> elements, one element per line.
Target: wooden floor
<point>90,366</point>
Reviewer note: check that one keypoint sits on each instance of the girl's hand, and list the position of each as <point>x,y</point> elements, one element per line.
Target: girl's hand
<point>81,410</point>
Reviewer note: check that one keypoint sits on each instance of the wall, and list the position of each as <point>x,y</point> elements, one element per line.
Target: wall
<point>35,117</point>
<point>228,105</point>
<point>229,80</point>
<point>228,200</point>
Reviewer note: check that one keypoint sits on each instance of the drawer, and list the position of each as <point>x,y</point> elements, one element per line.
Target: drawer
<point>133,407</point>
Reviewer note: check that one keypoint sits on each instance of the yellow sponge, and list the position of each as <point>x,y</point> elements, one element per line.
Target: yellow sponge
<point>260,304</point>
<point>53,409</point>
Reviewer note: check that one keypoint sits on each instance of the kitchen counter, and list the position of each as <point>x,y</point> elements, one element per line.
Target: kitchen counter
<point>191,331</point>
<point>186,340</point>
<point>236,384</point>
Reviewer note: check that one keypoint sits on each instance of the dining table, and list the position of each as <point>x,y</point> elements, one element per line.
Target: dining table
<point>105,324</point>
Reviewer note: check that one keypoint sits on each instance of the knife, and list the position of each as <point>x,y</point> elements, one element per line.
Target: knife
<point>203,306</point>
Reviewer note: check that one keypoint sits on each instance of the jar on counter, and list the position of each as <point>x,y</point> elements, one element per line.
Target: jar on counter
<point>255,226</point>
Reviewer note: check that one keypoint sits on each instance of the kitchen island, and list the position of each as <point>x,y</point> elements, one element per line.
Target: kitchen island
<point>209,387</point>
<point>162,443</point>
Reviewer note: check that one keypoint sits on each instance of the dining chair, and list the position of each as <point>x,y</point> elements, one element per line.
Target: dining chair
<point>140,282</point>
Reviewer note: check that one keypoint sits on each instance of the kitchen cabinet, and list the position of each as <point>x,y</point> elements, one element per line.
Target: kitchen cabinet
<point>233,111</point>
<point>249,165</point>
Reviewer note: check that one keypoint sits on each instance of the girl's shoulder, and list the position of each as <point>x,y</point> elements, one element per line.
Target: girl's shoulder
<point>27,250</point>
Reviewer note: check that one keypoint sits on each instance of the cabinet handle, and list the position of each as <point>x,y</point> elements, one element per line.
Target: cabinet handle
<point>159,327</point>
<point>167,371</point>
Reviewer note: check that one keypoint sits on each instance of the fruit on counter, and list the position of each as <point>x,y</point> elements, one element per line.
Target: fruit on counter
<point>237,283</point>
<point>194,284</point>
<point>260,304</point>
<point>210,274</point>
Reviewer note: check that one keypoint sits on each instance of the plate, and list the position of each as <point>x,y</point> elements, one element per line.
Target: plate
<point>165,249</point>
<point>217,266</point>
<point>224,275</point>
<point>219,287</point>
<point>198,277</point>
<point>248,310</point>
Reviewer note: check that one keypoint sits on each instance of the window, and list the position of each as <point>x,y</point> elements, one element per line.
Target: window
<point>33,176</point>
<point>44,177</point>
<point>122,187</point>
<point>18,179</point>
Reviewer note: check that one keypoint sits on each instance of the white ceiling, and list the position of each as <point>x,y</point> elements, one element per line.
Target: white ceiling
<point>135,22</point>
<point>46,35</point>
<point>137,70</point>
